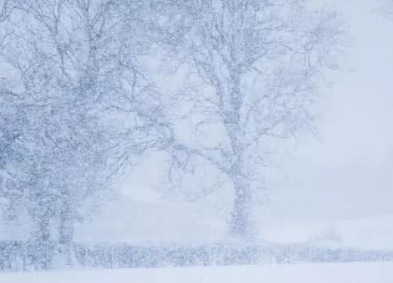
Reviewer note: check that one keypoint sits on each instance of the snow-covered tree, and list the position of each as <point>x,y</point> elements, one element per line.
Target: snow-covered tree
<point>253,69</point>
<point>79,109</point>
<point>6,7</point>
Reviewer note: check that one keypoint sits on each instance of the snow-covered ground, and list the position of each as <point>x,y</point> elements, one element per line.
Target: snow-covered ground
<point>133,222</point>
<point>363,233</point>
<point>137,221</point>
<point>313,273</point>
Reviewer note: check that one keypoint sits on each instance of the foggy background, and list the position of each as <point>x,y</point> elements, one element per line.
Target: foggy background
<point>344,172</point>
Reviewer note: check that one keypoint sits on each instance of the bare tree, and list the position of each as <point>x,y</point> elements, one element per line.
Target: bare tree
<point>62,156</point>
<point>82,103</point>
<point>254,67</point>
<point>6,7</point>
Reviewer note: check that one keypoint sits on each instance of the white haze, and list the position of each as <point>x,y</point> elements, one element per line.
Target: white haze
<point>343,172</point>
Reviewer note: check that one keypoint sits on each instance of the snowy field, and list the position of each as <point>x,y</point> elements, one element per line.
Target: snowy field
<point>368,233</point>
<point>307,273</point>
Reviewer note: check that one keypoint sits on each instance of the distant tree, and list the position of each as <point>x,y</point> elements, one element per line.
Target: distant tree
<point>253,71</point>
<point>328,234</point>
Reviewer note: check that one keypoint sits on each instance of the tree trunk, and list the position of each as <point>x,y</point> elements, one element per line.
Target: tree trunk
<point>66,232</point>
<point>40,250</point>
<point>241,224</point>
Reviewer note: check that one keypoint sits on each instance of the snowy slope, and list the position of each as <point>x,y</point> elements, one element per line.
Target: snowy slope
<point>131,221</point>
<point>134,221</point>
<point>315,273</point>
<point>365,233</point>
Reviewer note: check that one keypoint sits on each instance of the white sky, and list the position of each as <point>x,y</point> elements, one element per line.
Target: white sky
<point>347,172</point>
